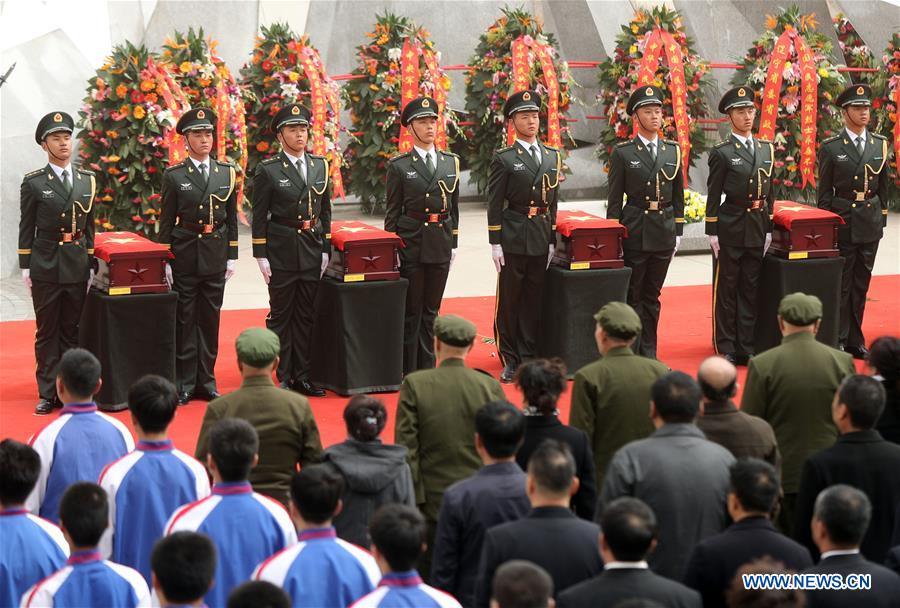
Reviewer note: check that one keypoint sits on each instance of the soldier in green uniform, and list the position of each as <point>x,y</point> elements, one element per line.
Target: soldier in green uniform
<point>853,183</point>
<point>791,387</point>
<point>523,190</point>
<point>198,221</point>
<point>292,241</point>
<point>56,248</point>
<point>739,224</point>
<point>611,396</point>
<point>436,419</point>
<point>648,171</point>
<point>423,209</point>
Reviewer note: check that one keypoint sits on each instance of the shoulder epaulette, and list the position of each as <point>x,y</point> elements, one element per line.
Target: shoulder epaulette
<point>86,171</point>
<point>831,139</point>
<point>622,144</point>
<point>225,163</point>
<point>670,142</point>
<point>449,153</point>
<point>398,156</point>
<point>34,173</point>
<point>878,136</point>
<point>551,148</point>
<point>763,141</point>
<point>175,166</point>
<point>320,156</point>
<point>506,149</point>
<point>269,161</point>
<point>722,143</point>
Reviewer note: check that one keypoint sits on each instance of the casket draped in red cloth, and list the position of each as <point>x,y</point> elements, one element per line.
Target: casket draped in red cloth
<point>130,264</point>
<point>569,221</point>
<point>361,252</point>
<point>801,232</point>
<point>788,211</point>
<point>126,244</point>
<point>586,241</point>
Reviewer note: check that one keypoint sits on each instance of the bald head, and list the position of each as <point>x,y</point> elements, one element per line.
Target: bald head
<point>717,378</point>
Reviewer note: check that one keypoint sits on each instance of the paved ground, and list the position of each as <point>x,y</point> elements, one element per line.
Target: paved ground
<point>472,273</point>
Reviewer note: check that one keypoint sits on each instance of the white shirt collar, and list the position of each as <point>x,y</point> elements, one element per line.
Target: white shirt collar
<point>654,141</point>
<point>294,159</point>
<point>204,161</point>
<point>853,135</point>
<point>741,138</point>
<point>617,565</point>
<point>58,170</point>
<point>424,153</point>
<point>837,552</point>
<point>529,146</point>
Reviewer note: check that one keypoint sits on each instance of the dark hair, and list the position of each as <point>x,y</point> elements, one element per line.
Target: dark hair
<point>739,596</point>
<point>756,484</point>
<point>153,401</point>
<point>80,372</point>
<point>365,417</point>
<point>398,532</point>
<point>233,443</point>
<point>258,594</point>
<point>845,513</point>
<point>501,427</point>
<point>521,584</point>
<point>676,397</point>
<point>552,466</point>
<point>884,356</point>
<point>315,491</point>
<point>629,527</point>
<point>864,397</point>
<point>184,564</point>
<point>542,381</point>
<point>84,512</point>
<point>20,467</point>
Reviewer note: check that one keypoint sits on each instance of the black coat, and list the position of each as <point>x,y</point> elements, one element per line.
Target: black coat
<point>714,561</point>
<point>863,460</point>
<point>539,428</point>
<point>884,593</point>
<point>889,422</point>
<point>619,585</point>
<point>553,538</point>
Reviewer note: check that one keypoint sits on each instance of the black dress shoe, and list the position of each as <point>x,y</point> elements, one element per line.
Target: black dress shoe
<point>44,407</point>
<point>731,358</point>
<point>858,352</point>
<point>207,395</point>
<point>308,389</point>
<point>508,373</point>
<point>184,397</point>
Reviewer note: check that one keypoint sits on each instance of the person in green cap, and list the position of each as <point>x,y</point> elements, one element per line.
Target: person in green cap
<point>611,396</point>
<point>791,387</point>
<point>56,249</point>
<point>288,434</point>
<point>198,222</point>
<point>436,419</point>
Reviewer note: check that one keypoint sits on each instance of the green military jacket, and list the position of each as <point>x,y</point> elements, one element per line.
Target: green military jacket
<point>436,422</point>
<point>854,186</point>
<point>791,387</point>
<point>291,217</point>
<point>522,199</point>
<point>199,222</point>
<point>745,216</point>
<point>611,402</point>
<point>287,430</point>
<point>654,213</point>
<point>423,210</point>
<point>56,230</point>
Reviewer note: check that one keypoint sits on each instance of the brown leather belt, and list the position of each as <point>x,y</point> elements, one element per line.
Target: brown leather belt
<point>530,211</point>
<point>60,237</point>
<point>199,228</point>
<point>292,223</point>
<point>429,218</point>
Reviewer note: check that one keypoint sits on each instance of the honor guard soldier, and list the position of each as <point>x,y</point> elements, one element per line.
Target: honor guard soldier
<point>198,221</point>
<point>523,190</point>
<point>423,209</point>
<point>647,170</point>
<point>853,183</point>
<point>292,241</point>
<point>56,249</point>
<point>739,224</point>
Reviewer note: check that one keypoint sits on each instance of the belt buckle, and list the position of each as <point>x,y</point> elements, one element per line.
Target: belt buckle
<point>66,237</point>
<point>207,229</point>
<point>654,205</point>
<point>756,204</point>
<point>860,196</point>
<point>532,211</point>
<point>306,224</point>
<point>434,218</point>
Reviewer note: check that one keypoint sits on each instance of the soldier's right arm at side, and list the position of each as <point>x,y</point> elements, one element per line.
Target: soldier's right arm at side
<point>718,170</point>
<point>262,195</point>
<point>616,185</point>
<point>394,202</point>
<point>406,433</point>
<point>27,222</point>
<point>497,180</point>
<point>825,189</point>
<point>168,207</point>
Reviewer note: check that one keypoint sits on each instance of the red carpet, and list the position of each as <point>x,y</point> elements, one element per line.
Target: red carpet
<point>685,340</point>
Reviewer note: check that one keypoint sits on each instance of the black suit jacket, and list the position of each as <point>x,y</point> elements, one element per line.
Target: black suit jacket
<point>863,460</point>
<point>884,593</point>
<point>619,585</point>
<point>539,428</point>
<point>714,561</point>
<point>892,562</point>
<point>554,538</point>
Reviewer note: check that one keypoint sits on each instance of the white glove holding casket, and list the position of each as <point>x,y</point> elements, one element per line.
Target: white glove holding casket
<point>169,279</point>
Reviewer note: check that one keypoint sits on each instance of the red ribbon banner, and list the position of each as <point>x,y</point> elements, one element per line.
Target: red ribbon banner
<point>808,95</point>
<point>897,130</point>
<point>409,87</point>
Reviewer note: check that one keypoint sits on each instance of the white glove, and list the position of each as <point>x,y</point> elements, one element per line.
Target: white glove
<point>768,243</point>
<point>714,244</point>
<point>229,268</point>
<point>325,259</point>
<point>677,244</point>
<point>90,281</point>
<point>497,256</point>
<point>265,269</point>
<point>26,278</point>
<point>169,279</point>
<point>452,257</point>
<point>550,250</point>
